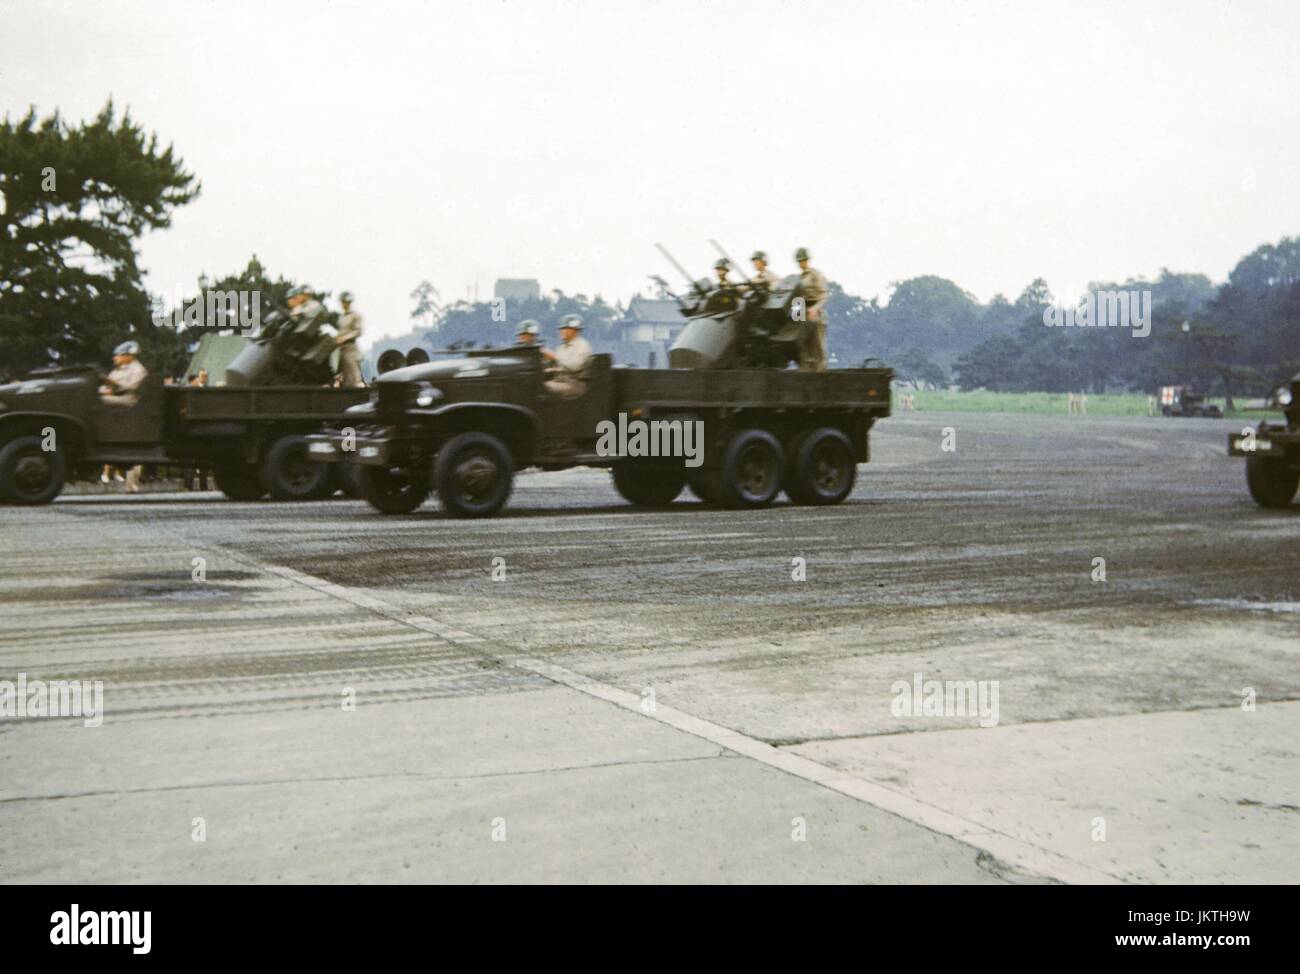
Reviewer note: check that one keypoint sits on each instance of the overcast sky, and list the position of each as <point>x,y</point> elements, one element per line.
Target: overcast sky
<point>368,145</point>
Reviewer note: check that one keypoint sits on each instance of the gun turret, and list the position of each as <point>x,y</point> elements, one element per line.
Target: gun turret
<point>759,330</point>
<point>288,350</point>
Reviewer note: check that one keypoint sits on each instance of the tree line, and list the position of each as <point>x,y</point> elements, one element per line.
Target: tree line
<point>77,198</point>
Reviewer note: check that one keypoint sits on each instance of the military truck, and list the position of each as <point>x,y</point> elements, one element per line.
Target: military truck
<point>1272,450</point>
<point>252,434</point>
<point>462,424</point>
<point>1181,401</point>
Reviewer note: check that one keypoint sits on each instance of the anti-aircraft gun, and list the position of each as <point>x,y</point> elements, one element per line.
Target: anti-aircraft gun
<point>743,325</point>
<point>288,350</point>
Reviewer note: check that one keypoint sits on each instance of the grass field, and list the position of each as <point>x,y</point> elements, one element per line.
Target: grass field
<point>1042,403</point>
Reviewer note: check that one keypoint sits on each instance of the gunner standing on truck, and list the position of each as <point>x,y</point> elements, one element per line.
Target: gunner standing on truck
<point>571,361</point>
<point>346,340</point>
<point>122,387</point>
<point>813,290</point>
<point>762,276</point>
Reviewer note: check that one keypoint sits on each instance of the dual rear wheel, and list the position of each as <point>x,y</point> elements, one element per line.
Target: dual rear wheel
<point>820,469</point>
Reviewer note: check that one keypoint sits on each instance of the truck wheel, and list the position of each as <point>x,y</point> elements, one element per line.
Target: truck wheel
<point>751,470</point>
<point>822,469</point>
<point>1271,484</point>
<point>646,486</point>
<point>239,481</point>
<point>473,474</point>
<point>30,475</point>
<point>349,477</point>
<point>391,491</point>
<point>289,472</point>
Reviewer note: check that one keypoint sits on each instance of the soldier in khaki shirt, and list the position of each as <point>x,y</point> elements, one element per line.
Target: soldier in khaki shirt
<point>572,360</point>
<point>122,387</point>
<point>349,331</point>
<point>762,276</point>
<point>814,291</point>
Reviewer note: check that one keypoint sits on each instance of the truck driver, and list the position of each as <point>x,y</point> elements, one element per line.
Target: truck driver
<point>571,362</point>
<point>122,387</point>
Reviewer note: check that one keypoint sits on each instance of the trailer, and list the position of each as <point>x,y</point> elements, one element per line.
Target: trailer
<point>461,426</point>
<point>53,425</point>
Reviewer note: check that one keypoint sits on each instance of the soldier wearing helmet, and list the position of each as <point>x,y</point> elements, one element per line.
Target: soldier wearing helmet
<point>349,330</point>
<point>527,333</point>
<point>762,276</point>
<point>122,386</point>
<point>571,362</point>
<point>813,290</point>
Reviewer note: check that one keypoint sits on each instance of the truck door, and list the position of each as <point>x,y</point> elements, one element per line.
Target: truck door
<point>137,425</point>
<point>575,419</point>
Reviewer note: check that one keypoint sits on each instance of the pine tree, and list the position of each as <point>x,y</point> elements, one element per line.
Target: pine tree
<point>75,202</point>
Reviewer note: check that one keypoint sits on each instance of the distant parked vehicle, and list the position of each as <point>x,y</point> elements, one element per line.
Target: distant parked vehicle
<point>1181,401</point>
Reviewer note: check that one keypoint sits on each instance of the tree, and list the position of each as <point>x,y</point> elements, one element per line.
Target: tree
<point>427,304</point>
<point>76,200</point>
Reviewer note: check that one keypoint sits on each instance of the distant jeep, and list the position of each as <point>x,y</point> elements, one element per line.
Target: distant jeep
<point>1181,401</point>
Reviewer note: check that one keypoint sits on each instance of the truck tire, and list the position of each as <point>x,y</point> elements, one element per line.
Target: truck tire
<point>822,469</point>
<point>751,472</point>
<point>349,478</point>
<point>239,481</point>
<point>1271,484</point>
<point>473,474</point>
<point>29,474</point>
<point>647,486</point>
<point>391,491</point>
<point>290,474</point>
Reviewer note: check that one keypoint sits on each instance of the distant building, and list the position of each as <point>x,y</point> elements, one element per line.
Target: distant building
<point>517,289</point>
<point>648,327</point>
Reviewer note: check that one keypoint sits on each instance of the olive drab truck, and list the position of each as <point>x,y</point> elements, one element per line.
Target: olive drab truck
<point>251,431</point>
<point>725,421</point>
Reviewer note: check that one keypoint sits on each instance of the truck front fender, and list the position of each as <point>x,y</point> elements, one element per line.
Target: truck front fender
<point>73,434</point>
<point>519,426</point>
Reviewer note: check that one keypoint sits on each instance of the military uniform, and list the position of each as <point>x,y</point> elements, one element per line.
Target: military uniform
<point>122,387</point>
<point>814,291</point>
<point>765,278</point>
<point>349,354</point>
<point>572,368</point>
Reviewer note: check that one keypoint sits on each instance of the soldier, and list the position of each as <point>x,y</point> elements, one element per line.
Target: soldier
<point>302,304</point>
<point>572,360</point>
<point>122,387</point>
<point>762,276</point>
<point>723,267</point>
<point>813,290</point>
<point>349,331</point>
<point>527,333</point>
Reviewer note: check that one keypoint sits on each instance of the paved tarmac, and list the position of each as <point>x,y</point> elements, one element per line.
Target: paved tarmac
<point>581,691</point>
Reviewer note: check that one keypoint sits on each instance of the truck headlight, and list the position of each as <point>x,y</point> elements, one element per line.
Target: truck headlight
<point>1284,396</point>
<point>426,396</point>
